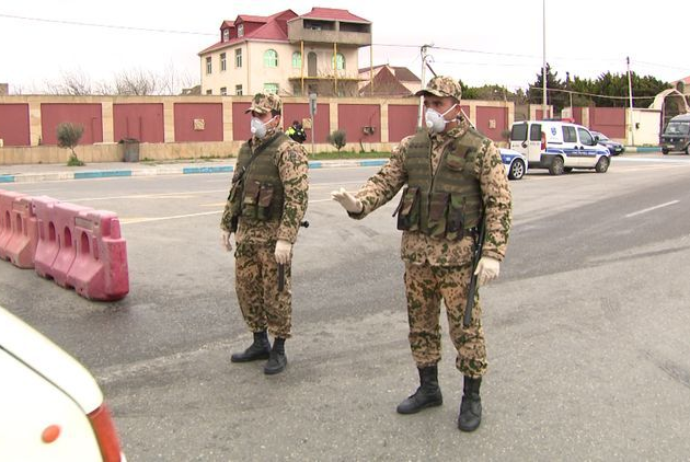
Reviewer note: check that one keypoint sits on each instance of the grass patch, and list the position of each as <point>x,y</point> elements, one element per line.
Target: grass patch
<point>349,155</point>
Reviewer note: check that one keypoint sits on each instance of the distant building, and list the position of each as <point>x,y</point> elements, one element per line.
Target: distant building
<point>682,85</point>
<point>287,54</point>
<point>389,81</point>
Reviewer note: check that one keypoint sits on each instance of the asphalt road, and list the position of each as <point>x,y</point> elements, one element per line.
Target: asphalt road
<point>588,327</point>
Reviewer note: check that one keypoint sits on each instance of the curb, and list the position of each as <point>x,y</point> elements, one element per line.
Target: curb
<point>96,174</point>
<point>642,149</point>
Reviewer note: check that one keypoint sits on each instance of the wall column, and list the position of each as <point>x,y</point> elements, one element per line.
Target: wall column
<point>35,125</point>
<point>169,121</point>
<point>227,119</point>
<point>333,111</point>
<point>385,126</point>
<point>108,121</point>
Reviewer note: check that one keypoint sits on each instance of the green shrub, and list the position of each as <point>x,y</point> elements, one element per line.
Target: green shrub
<point>68,136</point>
<point>338,139</point>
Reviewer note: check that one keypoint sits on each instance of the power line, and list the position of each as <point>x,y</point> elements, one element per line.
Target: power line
<point>104,26</point>
<point>591,94</point>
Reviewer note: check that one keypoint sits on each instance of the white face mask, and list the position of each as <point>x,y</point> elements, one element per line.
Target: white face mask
<point>436,122</point>
<point>258,128</point>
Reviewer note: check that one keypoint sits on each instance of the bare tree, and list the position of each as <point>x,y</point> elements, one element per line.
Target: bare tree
<point>137,82</point>
<point>74,83</point>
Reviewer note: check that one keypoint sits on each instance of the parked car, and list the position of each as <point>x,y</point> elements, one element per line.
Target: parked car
<point>558,146</point>
<point>614,147</point>
<point>51,407</point>
<point>676,136</point>
<point>514,162</point>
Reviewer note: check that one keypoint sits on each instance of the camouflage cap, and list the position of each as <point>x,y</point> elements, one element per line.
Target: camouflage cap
<point>265,102</point>
<point>442,87</point>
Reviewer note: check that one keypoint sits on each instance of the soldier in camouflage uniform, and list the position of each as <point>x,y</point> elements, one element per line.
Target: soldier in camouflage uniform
<point>265,207</point>
<point>454,178</point>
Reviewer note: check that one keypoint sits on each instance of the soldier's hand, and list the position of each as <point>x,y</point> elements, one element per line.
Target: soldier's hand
<point>347,200</point>
<point>283,249</point>
<point>225,240</point>
<point>487,270</point>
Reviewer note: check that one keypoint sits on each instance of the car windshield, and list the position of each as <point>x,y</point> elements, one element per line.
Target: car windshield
<point>601,136</point>
<point>678,128</point>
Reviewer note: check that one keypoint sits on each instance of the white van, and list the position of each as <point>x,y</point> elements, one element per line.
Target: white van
<point>558,146</point>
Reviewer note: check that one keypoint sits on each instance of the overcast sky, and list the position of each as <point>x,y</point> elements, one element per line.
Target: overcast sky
<point>497,41</point>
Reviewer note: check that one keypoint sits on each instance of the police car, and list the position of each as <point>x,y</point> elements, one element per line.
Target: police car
<point>558,146</point>
<point>514,162</point>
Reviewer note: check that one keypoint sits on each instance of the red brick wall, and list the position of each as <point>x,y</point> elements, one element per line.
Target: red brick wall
<point>486,114</point>
<point>240,122</point>
<point>402,121</point>
<point>14,124</point>
<point>352,117</point>
<point>143,122</point>
<point>322,119</point>
<point>87,115</point>
<point>212,115</point>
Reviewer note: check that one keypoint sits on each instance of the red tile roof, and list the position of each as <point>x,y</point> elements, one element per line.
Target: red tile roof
<point>333,14</point>
<point>250,18</point>
<point>273,29</point>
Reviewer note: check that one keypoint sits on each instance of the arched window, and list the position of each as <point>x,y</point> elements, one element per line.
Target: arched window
<point>296,60</point>
<point>271,58</point>
<point>339,62</point>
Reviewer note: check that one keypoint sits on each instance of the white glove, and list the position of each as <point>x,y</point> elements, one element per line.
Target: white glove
<point>225,240</point>
<point>347,200</point>
<point>487,270</point>
<point>283,249</point>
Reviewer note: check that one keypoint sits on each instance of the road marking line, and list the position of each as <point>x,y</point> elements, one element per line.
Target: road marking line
<point>640,212</point>
<point>129,221</point>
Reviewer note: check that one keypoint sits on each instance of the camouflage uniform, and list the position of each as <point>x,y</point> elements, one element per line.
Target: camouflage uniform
<point>439,268</point>
<point>256,271</point>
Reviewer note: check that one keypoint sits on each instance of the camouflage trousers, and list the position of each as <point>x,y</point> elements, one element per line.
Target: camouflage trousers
<point>256,283</point>
<point>425,286</point>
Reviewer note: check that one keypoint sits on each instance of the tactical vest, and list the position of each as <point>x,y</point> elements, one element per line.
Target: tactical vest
<point>446,203</point>
<point>257,192</point>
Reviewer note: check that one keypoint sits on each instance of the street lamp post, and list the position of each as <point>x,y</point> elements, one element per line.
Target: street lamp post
<point>543,66</point>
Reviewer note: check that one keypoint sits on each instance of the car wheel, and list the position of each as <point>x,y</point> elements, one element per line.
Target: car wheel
<point>517,170</point>
<point>556,167</point>
<point>687,149</point>
<point>664,151</point>
<point>603,165</point>
<point>567,169</point>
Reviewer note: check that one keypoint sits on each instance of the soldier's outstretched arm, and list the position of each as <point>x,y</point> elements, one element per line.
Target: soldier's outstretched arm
<point>381,187</point>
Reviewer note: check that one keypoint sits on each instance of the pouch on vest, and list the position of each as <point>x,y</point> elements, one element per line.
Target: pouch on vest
<point>408,210</point>
<point>264,202</point>
<point>456,160</point>
<point>456,217</point>
<point>250,199</point>
<point>438,209</point>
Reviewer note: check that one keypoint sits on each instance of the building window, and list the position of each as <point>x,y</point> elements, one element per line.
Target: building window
<point>296,60</point>
<point>240,30</point>
<point>209,92</point>
<point>226,35</point>
<point>271,58</point>
<point>223,65</point>
<point>339,62</point>
<point>238,90</point>
<point>271,88</point>
<point>238,57</point>
<point>223,91</point>
<point>209,65</point>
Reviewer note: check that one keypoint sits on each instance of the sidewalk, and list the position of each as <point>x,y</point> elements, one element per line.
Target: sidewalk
<point>34,173</point>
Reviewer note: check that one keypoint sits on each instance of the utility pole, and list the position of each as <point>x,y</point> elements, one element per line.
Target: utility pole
<point>420,116</point>
<point>543,66</point>
<point>632,120</point>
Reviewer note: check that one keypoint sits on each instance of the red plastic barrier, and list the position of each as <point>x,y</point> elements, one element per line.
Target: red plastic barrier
<point>48,245</point>
<point>99,271</point>
<point>7,199</point>
<point>22,245</point>
<point>64,215</point>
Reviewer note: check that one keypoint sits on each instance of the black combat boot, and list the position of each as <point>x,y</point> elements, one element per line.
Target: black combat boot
<point>427,395</point>
<point>471,407</point>
<point>260,349</point>
<point>277,361</point>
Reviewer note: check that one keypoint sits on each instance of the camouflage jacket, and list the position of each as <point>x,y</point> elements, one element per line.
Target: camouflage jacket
<point>293,168</point>
<point>418,248</point>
